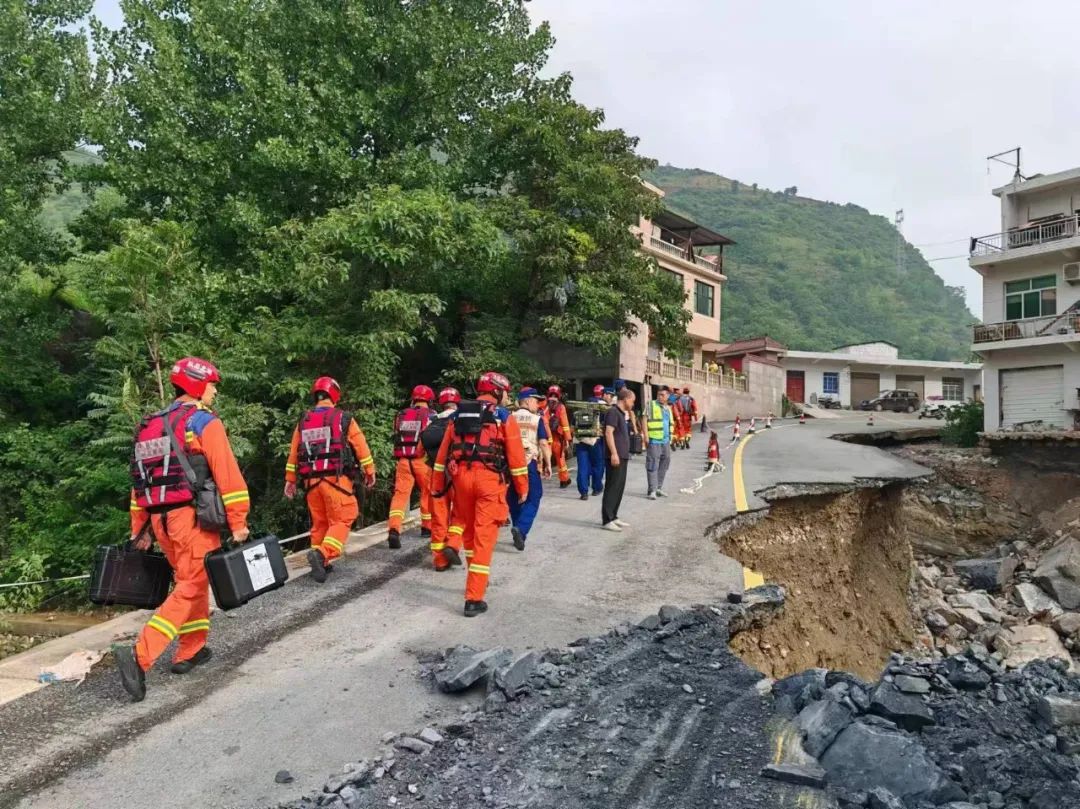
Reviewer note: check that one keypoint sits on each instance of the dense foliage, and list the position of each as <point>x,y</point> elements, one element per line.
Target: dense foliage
<point>289,188</point>
<point>963,425</point>
<point>817,275</point>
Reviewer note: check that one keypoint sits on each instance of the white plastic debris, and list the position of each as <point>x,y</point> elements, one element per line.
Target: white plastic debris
<point>73,667</point>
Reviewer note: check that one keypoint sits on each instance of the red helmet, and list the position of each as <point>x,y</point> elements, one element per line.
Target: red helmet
<point>492,382</point>
<point>447,395</point>
<point>191,375</point>
<point>555,391</point>
<point>327,385</point>
<point>422,393</point>
<point>598,390</point>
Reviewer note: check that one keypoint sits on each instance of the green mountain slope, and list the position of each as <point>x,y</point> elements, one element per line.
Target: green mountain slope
<point>816,275</point>
<point>61,209</point>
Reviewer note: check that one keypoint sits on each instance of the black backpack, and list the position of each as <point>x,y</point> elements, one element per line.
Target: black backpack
<point>432,436</point>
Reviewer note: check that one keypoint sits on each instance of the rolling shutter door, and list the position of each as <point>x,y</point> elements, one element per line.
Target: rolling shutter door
<point>864,386</point>
<point>1033,394</point>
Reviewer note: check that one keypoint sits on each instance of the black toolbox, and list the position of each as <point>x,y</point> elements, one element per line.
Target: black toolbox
<point>128,577</point>
<point>241,572</point>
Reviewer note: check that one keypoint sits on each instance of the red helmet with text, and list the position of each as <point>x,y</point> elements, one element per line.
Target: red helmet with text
<point>327,385</point>
<point>422,393</point>
<point>191,375</point>
<point>448,395</point>
<point>598,390</point>
<point>555,391</point>
<point>492,382</point>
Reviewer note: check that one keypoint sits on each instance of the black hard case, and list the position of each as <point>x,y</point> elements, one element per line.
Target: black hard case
<point>128,577</point>
<point>230,570</point>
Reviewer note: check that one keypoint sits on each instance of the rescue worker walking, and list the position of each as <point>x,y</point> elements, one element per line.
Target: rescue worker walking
<point>561,436</point>
<point>412,468</point>
<point>446,534</point>
<point>535,439</point>
<point>656,425</point>
<point>480,452</point>
<point>676,421</point>
<point>589,449</point>
<point>689,414</point>
<point>178,452</point>
<point>328,448</point>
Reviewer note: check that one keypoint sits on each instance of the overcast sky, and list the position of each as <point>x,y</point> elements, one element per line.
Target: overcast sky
<point>887,105</point>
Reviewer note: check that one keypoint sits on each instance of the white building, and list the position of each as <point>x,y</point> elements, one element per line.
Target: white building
<point>1030,332</point>
<point>862,371</point>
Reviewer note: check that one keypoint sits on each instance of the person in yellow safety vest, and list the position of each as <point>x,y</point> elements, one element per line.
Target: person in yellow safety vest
<point>656,423</point>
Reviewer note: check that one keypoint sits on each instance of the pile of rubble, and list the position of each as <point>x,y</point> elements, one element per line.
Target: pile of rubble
<point>1021,602</point>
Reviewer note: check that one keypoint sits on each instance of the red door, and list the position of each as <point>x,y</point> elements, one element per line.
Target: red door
<point>796,386</point>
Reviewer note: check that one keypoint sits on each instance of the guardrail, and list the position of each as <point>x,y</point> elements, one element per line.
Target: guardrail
<point>1025,237</point>
<point>684,373</point>
<point>1065,323</point>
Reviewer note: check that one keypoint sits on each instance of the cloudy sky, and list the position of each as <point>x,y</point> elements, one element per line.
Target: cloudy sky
<point>887,105</point>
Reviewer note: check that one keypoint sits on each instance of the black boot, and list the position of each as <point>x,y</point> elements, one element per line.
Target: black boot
<point>425,532</point>
<point>132,676</point>
<point>519,539</point>
<point>474,608</point>
<point>452,556</point>
<point>565,484</point>
<point>584,497</point>
<point>318,565</point>
<point>393,539</point>
<point>197,659</point>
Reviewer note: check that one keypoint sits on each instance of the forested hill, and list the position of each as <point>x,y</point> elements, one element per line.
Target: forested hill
<point>816,275</point>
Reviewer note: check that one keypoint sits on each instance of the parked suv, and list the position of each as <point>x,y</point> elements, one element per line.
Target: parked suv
<point>899,401</point>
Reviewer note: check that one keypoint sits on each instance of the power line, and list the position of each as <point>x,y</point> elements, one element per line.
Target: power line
<point>939,244</point>
<point>948,258</point>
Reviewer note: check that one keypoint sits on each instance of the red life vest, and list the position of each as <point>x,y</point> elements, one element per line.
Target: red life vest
<point>408,425</point>
<point>157,469</point>
<point>478,437</point>
<point>324,449</point>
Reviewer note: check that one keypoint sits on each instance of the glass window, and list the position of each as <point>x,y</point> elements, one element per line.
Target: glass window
<point>952,388</point>
<point>703,298</point>
<point>1031,297</point>
<point>831,382</point>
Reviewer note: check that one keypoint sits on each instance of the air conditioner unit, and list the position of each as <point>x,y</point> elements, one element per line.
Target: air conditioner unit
<point>1071,272</point>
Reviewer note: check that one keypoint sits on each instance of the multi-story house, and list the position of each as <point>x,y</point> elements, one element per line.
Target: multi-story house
<point>1030,335</point>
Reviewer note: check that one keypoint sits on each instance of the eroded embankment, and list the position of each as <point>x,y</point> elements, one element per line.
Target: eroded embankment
<point>846,564</point>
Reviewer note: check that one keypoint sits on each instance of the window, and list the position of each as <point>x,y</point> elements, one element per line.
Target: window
<point>831,383</point>
<point>678,276</point>
<point>952,388</point>
<point>703,298</point>
<point>1032,297</point>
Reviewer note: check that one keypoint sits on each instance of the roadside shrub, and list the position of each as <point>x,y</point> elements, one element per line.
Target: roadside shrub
<point>963,425</point>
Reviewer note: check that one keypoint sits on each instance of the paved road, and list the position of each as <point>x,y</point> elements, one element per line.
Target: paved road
<point>308,678</point>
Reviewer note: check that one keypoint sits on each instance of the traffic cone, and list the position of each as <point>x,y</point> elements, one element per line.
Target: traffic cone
<point>870,420</point>
<point>802,418</point>
<point>753,425</point>
<point>768,421</point>
<point>735,430</point>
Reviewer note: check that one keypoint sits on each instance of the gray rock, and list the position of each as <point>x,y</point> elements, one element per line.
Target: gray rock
<point>881,798</point>
<point>970,619</point>
<point>809,775</point>
<point>859,698</point>
<point>1034,601</point>
<point>513,678</point>
<point>431,736</point>
<point>980,602</point>
<point>911,685</point>
<point>467,667</point>
<point>794,685</point>
<point>650,622</point>
<point>1059,712</point>
<point>1067,624</point>
<point>866,758</point>
<point>987,574</point>
<point>1058,573</point>
<point>760,605</point>
<point>819,723</point>
<point>965,674</point>
<point>350,797</point>
<point>412,745</point>
<point>905,710</point>
<point>936,622</point>
<point>283,777</point>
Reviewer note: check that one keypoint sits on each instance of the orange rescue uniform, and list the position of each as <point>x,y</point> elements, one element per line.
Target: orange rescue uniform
<point>480,496</point>
<point>411,472</point>
<point>331,501</point>
<point>561,439</point>
<point>185,614</point>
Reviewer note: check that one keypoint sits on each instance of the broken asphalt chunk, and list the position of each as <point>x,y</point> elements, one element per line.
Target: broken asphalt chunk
<point>820,723</point>
<point>907,711</point>
<point>466,668</point>
<point>807,775</point>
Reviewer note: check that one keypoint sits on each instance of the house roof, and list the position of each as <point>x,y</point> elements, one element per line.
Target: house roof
<point>750,345</point>
<point>698,235</point>
<point>866,343</point>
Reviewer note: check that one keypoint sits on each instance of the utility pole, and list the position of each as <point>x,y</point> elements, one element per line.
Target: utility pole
<point>900,242</point>
<point>1011,158</point>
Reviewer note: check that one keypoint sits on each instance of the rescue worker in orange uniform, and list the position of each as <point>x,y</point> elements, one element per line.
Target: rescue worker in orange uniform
<point>676,421</point>
<point>561,437</point>
<point>327,447</point>
<point>412,467</point>
<point>175,450</point>
<point>446,546</point>
<point>481,452</point>
<point>689,415</point>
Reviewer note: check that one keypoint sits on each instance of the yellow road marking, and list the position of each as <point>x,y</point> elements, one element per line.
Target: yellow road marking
<point>740,489</point>
<point>751,579</point>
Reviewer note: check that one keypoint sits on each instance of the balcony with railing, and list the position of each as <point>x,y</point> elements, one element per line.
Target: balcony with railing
<point>1042,237</point>
<point>676,372</point>
<point>671,245</point>
<point>1034,331</point>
